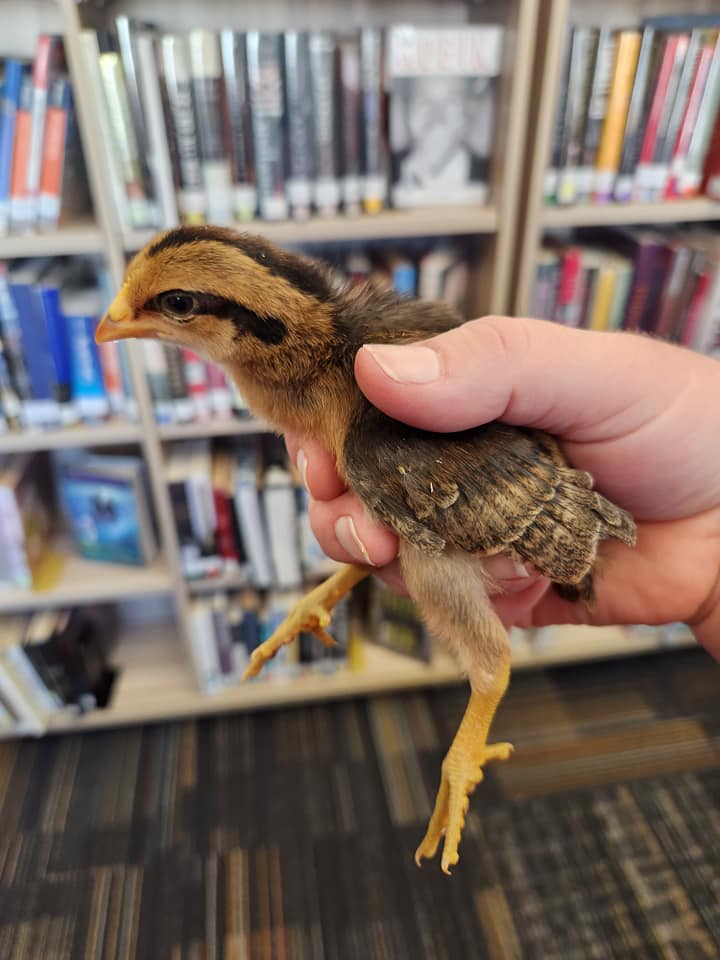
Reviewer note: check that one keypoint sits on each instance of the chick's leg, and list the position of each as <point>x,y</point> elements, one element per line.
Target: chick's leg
<point>450,592</point>
<point>311,614</point>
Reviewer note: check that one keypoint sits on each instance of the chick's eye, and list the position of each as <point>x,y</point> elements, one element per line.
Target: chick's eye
<point>178,304</point>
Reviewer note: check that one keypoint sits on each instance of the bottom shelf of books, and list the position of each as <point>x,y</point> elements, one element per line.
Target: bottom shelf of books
<point>110,664</point>
<point>155,680</point>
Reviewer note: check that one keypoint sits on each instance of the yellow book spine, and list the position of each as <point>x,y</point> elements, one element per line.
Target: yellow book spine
<point>613,130</point>
<point>602,301</point>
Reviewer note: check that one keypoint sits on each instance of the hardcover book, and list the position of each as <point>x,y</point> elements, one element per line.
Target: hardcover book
<point>443,89</point>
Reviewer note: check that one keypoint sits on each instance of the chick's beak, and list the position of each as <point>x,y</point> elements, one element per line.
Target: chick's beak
<point>120,323</point>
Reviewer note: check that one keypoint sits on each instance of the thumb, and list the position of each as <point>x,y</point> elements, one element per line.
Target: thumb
<point>580,384</point>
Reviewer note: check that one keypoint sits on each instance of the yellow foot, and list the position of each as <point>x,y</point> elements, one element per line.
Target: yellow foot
<point>461,773</point>
<point>311,615</point>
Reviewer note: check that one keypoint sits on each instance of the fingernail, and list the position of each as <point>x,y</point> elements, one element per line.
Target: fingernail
<point>349,540</point>
<point>406,364</point>
<point>521,570</point>
<point>301,464</point>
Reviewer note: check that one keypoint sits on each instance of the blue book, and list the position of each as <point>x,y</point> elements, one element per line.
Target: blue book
<point>80,313</point>
<point>106,508</point>
<point>43,408</point>
<point>403,274</point>
<point>49,286</point>
<point>9,101</point>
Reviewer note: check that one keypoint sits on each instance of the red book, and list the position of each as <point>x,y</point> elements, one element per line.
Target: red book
<point>568,296</point>
<point>675,47</point>
<point>223,483</point>
<point>689,120</point>
<point>711,174</point>
<point>695,309</point>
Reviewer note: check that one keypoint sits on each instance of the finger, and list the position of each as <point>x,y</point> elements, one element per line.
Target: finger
<point>316,468</point>
<point>577,383</point>
<point>346,533</point>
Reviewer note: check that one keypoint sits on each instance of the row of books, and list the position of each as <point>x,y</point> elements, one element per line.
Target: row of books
<point>637,113</point>
<point>241,514</point>
<point>662,283</point>
<point>53,662</point>
<point>226,126</point>
<point>43,181</point>
<point>226,628</point>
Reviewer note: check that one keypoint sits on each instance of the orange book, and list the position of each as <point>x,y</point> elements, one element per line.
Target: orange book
<point>19,195</point>
<point>53,155</point>
<point>609,152</point>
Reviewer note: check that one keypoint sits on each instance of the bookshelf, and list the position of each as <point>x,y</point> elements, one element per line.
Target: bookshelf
<point>535,215</point>
<point>157,676</point>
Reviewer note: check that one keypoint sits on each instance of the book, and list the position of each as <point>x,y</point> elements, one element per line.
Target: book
<point>13,71</point>
<point>688,181</point>
<point>372,139</point>
<point>638,109</point>
<point>550,183</point>
<point>299,117</point>
<point>350,116</point>
<point>609,151</point>
<point>105,503</point>
<point>443,91</point>
<point>27,522</point>
<point>210,113</point>
<point>177,97</point>
<point>325,127</point>
<point>80,310</point>
<point>280,510</point>
<point>251,518</point>
<point>234,67</point>
<point>158,143</point>
<point>265,82</point>
<point>49,62</point>
<point>596,111</point>
<point>64,194</point>
<point>20,201</point>
<point>579,80</point>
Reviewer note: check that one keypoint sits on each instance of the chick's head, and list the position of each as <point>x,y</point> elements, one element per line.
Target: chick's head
<point>233,298</point>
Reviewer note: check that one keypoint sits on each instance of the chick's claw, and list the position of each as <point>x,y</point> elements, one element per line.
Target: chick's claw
<point>310,617</point>
<point>461,773</point>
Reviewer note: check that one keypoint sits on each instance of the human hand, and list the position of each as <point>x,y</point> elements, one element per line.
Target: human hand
<point>641,415</point>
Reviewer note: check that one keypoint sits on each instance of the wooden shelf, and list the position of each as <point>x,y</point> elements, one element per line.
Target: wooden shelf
<point>617,214</point>
<point>82,238</point>
<point>430,221</point>
<point>213,428</point>
<point>113,433</point>
<point>156,682</point>
<point>83,581</point>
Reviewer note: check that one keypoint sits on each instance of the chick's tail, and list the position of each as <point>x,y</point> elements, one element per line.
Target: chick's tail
<point>450,592</point>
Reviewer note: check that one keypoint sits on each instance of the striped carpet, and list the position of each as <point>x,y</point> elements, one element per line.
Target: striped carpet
<point>290,834</point>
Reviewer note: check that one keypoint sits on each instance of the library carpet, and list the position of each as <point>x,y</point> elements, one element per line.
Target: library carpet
<point>291,834</point>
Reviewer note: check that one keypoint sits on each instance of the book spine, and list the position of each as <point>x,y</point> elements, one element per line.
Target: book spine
<point>88,385</point>
<point>299,117</point>
<point>196,379</point>
<point>640,99</point>
<point>140,209</point>
<point>158,380</point>
<point>59,349</point>
<point>640,291</point>
<point>208,97</point>
<point>12,339</point>
<point>584,53</point>
<point>179,395</point>
<point>675,47</point>
<point>53,153</point>
<point>127,44</point>
<point>689,182</point>
<point>611,138</point>
<point>349,52</point>
<point>234,65</point>
<point>324,80</point>
<point>42,408</point>
<point>46,55</point>
<point>157,135</point>
<point>568,286</point>
<point>182,131</point>
<point>710,184</point>
<point>9,104</point>
<point>696,307</point>
<point>596,110</point>
<point>374,173</point>
<point>669,135</point>
<point>550,185</point>
<point>689,122</point>
<point>112,376</point>
<point>20,204</point>
<point>221,402</point>
<point>29,718</point>
<point>265,79</point>
<point>706,334</point>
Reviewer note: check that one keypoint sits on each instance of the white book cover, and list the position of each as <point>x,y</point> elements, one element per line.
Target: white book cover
<point>282,525</point>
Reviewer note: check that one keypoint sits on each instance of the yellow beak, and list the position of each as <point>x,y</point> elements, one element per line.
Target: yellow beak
<point>119,323</point>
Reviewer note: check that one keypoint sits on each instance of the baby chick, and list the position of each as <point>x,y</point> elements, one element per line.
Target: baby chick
<point>283,330</point>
